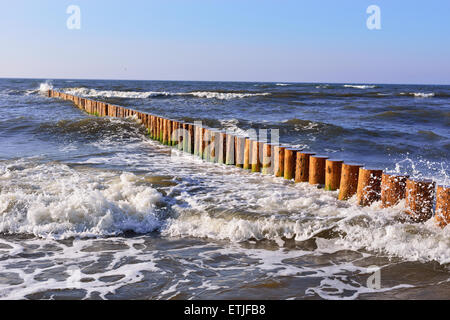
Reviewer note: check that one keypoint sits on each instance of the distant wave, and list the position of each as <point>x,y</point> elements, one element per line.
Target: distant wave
<point>223,95</point>
<point>282,84</point>
<point>359,86</point>
<point>418,94</point>
<point>144,95</point>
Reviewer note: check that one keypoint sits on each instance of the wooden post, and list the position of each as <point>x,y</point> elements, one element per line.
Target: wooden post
<point>176,138</point>
<point>159,128</point>
<point>212,145</point>
<point>256,159</point>
<point>369,186</point>
<point>267,161</point>
<point>190,139</point>
<point>393,189</point>
<point>443,205</point>
<point>333,170</point>
<point>239,151</point>
<point>221,147</point>
<point>230,152</point>
<point>196,139</point>
<point>317,169</point>
<point>185,133</point>
<point>302,166</point>
<point>419,199</point>
<point>349,180</point>
<point>278,160</point>
<point>248,154</point>
<point>165,131</point>
<point>207,146</point>
<point>181,135</point>
<point>202,142</point>
<point>290,159</point>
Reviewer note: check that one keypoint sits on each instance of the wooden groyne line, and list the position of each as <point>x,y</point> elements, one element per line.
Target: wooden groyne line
<point>212,145</point>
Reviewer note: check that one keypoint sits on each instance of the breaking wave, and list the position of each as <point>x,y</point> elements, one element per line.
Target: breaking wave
<point>359,86</point>
<point>85,92</point>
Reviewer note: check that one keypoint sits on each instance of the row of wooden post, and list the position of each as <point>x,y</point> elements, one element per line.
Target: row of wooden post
<point>368,184</point>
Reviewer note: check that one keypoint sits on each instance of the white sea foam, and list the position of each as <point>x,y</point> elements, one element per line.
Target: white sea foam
<point>55,201</point>
<point>423,95</point>
<point>85,92</point>
<point>359,86</point>
<point>283,84</point>
<point>418,94</point>
<point>208,201</point>
<point>224,95</point>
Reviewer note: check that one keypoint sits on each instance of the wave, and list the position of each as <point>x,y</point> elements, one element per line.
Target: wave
<point>418,94</point>
<point>56,201</point>
<point>282,84</point>
<point>85,92</point>
<point>359,86</point>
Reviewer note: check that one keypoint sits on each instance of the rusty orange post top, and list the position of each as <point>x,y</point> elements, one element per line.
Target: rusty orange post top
<point>368,184</point>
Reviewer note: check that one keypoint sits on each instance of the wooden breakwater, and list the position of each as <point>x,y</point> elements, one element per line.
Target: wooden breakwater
<point>368,184</point>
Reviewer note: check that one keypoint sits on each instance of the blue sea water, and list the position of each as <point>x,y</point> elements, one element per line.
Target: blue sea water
<point>91,208</point>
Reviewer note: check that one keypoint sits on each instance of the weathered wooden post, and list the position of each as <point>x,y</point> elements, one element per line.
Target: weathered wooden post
<point>267,160</point>
<point>393,189</point>
<point>173,128</point>
<point>302,166</point>
<point>239,151</point>
<point>230,150</point>
<point>317,169</point>
<point>190,139</point>
<point>221,147</point>
<point>419,199</point>
<point>333,169</point>
<point>256,159</point>
<point>349,180</point>
<point>443,205</point>
<point>248,154</point>
<point>206,141</point>
<point>290,159</point>
<point>212,146</point>
<point>196,140</point>
<point>166,130</point>
<point>180,135</point>
<point>278,160</point>
<point>369,186</point>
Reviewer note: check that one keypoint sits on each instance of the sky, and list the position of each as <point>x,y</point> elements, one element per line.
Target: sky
<point>228,40</point>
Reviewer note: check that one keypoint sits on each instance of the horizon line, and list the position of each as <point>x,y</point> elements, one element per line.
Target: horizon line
<point>231,81</point>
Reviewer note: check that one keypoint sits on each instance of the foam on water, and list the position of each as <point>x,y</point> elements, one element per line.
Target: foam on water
<point>53,200</point>
<point>419,94</point>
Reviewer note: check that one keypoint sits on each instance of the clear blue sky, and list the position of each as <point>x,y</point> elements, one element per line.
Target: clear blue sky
<point>245,40</point>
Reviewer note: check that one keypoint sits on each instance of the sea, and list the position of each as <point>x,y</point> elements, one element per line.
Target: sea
<point>91,208</point>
